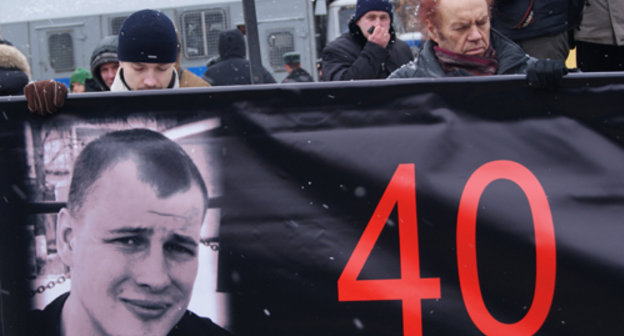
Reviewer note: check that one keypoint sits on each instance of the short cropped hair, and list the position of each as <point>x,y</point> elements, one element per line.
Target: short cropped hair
<point>428,10</point>
<point>161,163</point>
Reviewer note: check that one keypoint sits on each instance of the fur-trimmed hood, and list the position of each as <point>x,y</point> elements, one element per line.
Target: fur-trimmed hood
<point>11,57</point>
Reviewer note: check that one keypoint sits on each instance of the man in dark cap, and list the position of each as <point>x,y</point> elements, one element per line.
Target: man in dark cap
<point>104,65</point>
<point>147,52</point>
<point>292,63</point>
<point>370,49</point>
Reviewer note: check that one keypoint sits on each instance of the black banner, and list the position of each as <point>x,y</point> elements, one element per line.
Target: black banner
<point>456,206</point>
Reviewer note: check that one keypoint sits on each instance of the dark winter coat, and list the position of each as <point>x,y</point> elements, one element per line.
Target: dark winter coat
<point>511,60</point>
<point>14,70</point>
<point>351,56</point>
<point>104,52</point>
<point>233,69</point>
<point>525,19</point>
<point>603,23</point>
<point>298,75</point>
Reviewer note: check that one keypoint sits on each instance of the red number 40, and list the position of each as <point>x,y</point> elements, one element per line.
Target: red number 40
<point>410,288</point>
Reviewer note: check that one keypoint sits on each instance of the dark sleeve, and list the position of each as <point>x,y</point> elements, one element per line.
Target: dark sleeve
<point>407,54</point>
<point>12,82</point>
<point>208,78</point>
<point>92,86</point>
<point>406,71</point>
<point>338,64</point>
<point>266,76</point>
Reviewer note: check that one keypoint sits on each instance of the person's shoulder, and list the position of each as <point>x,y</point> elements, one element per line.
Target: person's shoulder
<point>398,43</point>
<point>407,70</point>
<point>92,85</point>
<point>46,322</point>
<point>189,79</point>
<point>193,325</point>
<point>344,41</point>
<point>12,81</point>
<point>402,51</point>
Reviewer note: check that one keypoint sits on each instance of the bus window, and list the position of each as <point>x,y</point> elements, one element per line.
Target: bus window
<point>345,15</point>
<point>61,51</point>
<point>201,32</point>
<point>280,43</point>
<point>115,24</point>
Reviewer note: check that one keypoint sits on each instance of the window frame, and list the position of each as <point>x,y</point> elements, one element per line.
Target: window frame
<point>276,61</point>
<point>206,43</point>
<point>52,57</point>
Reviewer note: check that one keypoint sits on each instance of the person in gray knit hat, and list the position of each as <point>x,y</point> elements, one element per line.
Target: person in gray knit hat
<point>104,65</point>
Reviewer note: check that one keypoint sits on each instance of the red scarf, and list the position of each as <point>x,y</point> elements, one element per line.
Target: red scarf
<point>477,65</point>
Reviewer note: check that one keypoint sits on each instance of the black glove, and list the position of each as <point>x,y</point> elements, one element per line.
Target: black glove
<point>45,96</point>
<point>546,74</point>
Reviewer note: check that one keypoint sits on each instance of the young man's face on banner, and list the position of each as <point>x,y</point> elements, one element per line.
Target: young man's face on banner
<point>133,256</point>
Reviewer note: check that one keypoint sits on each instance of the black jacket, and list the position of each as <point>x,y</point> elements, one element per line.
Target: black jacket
<point>14,70</point>
<point>524,19</point>
<point>511,60</point>
<point>47,322</point>
<point>12,81</point>
<point>351,56</point>
<point>233,68</point>
<point>298,75</point>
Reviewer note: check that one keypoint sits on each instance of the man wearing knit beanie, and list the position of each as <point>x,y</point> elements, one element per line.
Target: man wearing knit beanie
<point>370,49</point>
<point>104,64</point>
<point>147,52</point>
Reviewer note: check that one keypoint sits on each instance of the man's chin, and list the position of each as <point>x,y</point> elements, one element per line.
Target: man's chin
<point>137,327</point>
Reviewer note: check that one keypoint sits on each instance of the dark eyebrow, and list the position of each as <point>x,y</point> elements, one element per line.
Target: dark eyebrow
<point>183,239</point>
<point>133,230</point>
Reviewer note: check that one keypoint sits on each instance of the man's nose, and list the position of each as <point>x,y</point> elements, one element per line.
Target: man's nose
<point>150,79</point>
<point>152,271</point>
<point>474,33</point>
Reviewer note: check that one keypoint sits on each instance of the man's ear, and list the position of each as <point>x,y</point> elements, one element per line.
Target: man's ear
<point>432,31</point>
<point>65,236</point>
